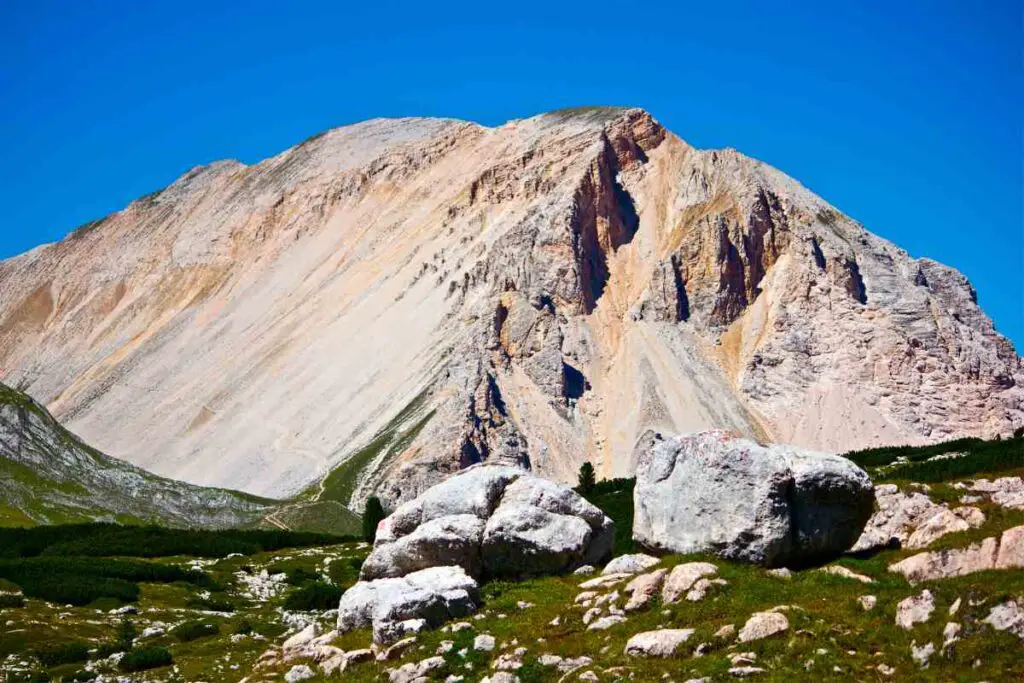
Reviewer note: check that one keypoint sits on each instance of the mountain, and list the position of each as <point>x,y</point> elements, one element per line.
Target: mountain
<point>389,301</point>
<point>48,476</point>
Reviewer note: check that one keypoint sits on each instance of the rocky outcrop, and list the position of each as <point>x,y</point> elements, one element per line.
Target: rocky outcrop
<point>713,492</point>
<point>912,520</point>
<point>1005,552</point>
<point>395,607</point>
<point>413,296</point>
<point>495,521</point>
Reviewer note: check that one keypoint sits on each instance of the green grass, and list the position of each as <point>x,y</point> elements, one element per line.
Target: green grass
<point>989,457</point>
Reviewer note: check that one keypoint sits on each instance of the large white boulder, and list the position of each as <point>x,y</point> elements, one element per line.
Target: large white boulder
<point>492,520</point>
<point>435,595</point>
<point>713,492</point>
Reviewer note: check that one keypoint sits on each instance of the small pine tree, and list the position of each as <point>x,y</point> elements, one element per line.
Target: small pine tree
<point>373,513</point>
<point>587,479</point>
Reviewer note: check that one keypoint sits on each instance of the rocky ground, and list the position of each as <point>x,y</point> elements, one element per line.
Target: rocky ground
<point>671,618</point>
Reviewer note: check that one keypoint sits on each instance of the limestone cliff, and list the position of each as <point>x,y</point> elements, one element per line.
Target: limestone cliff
<point>537,293</point>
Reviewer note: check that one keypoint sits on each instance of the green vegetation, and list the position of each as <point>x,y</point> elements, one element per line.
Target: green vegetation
<point>391,441</point>
<point>194,630</point>
<point>146,658</point>
<point>615,498</point>
<point>314,595</point>
<point>915,463</point>
<point>587,479</point>
<point>373,514</point>
<point>109,540</point>
<point>64,653</point>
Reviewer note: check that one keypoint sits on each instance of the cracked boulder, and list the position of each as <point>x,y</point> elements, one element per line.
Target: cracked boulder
<point>713,492</point>
<point>492,520</point>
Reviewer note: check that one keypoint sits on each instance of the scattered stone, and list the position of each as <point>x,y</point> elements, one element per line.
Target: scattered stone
<point>922,654</point>
<point>589,676</point>
<point>950,634</point>
<point>739,658</point>
<point>555,622</point>
<point>584,570</point>
<point>643,589</point>
<point>1008,616</point>
<point>761,625</point>
<point>297,673</point>
<point>701,588</point>
<point>781,573</point>
<point>586,596</point>
<point>484,643</point>
<point>605,623</point>
<point>660,643</point>
<point>396,650</point>
<point>682,578</point>
<point>630,564</point>
<point>726,631</point>
<point>885,669</point>
<point>838,570</point>
<point>604,581</point>
<point>917,609</point>
<point>955,607</point>
<point>302,638</point>
<point>745,671</point>
<point>771,505</point>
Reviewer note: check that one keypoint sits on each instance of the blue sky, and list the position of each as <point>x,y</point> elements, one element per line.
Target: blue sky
<point>906,115</point>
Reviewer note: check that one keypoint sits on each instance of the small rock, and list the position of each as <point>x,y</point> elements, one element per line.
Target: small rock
<point>1009,616</point>
<point>950,634</point>
<point>916,609</point>
<point>643,589</point>
<point>584,570</point>
<point>297,673</point>
<point>745,671</point>
<point>605,623</point>
<point>761,625</point>
<point>683,577</point>
<point>838,570</point>
<point>701,588</point>
<point>484,643</point>
<point>922,654</point>
<point>955,607</point>
<point>555,622</point>
<point>589,676</point>
<point>726,631</point>
<point>630,564</point>
<point>867,602</point>
<point>781,573</point>
<point>885,669</point>
<point>605,581</point>
<point>660,643</point>
<point>591,614</point>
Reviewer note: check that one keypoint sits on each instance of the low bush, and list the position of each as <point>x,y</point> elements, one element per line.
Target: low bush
<point>146,658</point>
<point>80,676</point>
<point>80,580</point>
<point>313,596</point>
<point>614,497</point>
<point>11,600</point>
<point>979,456</point>
<point>112,540</point>
<point>194,630</point>
<point>213,603</point>
<point>63,653</point>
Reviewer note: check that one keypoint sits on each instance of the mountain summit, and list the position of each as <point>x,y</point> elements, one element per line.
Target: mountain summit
<point>391,300</point>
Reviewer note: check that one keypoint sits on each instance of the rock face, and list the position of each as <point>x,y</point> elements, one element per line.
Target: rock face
<point>425,294</point>
<point>493,520</point>
<point>714,492</point>
<point>1005,552</point>
<point>912,520</point>
<point>435,595</point>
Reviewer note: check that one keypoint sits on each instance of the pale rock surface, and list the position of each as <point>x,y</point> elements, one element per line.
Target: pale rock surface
<point>661,643</point>
<point>1008,616</point>
<point>494,520</point>
<point>643,589</point>
<point>1005,552</point>
<point>839,570</point>
<point>917,609</point>
<point>912,520</point>
<point>630,564</point>
<point>921,654</point>
<point>436,595</point>
<point>545,291</point>
<point>683,577</point>
<point>867,602</point>
<point>702,587</point>
<point>762,625</point>
<point>772,505</point>
<point>606,622</point>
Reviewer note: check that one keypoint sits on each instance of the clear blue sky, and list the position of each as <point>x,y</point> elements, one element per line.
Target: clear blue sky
<point>906,115</point>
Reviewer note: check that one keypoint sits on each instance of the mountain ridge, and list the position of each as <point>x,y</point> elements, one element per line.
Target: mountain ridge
<point>553,286</point>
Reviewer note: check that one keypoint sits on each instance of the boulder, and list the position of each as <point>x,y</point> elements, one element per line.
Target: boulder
<point>491,520</point>
<point>435,595</point>
<point>713,492</point>
<point>661,643</point>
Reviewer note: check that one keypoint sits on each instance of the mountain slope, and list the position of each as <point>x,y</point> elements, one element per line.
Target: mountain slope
<point>48,476</point>
<point>409,296</point>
